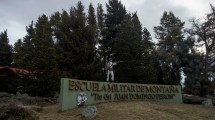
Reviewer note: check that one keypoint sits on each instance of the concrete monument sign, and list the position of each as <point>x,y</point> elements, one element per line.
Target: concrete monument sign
<point>74,93</point>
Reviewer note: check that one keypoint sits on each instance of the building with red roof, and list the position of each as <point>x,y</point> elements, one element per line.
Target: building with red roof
<point>10,78</point>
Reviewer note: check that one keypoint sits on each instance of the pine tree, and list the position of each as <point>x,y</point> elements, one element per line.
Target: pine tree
<point>28,47</point>
<point>101,23</point>
<point>18,54</point>
<point>81,43</point>
<point>193,70</point>
<point>79,31</point>
<point>94,65</point>
<point>170,37</point>
<point>63,34</point>
<point>101,36</point>
<point>113,19</point>
<point>23,58</point>
<point>151,65</point>
<point>91,34</point>
<point>128,48</point>
<point>44,57</point>
<point>5,50</point>
<point>205,33</point>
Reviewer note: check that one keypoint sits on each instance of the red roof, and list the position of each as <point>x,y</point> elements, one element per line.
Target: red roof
<point>14,70</point>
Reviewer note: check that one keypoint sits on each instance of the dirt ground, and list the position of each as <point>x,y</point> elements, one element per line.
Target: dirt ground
<point>136,110</point>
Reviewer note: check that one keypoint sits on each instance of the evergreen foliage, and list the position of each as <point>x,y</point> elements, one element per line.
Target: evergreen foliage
<point>43,61</point>
<point>206,36</point>
<point>128,48</point>
<point>152,70</point>
<point>170,35</point>
<point>101,32</point>
<point>100,23</point>
<point>134,48</point>
<point>5,50</point>
<point>113,19</point>
<point>23,50</point>
<point>193,70</point>
<point>62,27</point>
<point>18,54</point>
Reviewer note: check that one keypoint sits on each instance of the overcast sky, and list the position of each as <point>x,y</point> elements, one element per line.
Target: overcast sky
<point>17,14</point>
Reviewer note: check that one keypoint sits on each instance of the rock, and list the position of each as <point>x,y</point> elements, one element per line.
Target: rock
<point>208,103</point>
<point>89,112</point>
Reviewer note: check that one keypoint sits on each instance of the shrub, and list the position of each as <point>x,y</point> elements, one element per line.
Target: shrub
<point>15,112</point>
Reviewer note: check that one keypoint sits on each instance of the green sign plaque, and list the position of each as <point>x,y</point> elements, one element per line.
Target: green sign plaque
<point>74,93</point>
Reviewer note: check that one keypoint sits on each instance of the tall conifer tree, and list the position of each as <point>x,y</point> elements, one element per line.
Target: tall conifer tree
<point>101,35</point>
<point>44,57</point>
<point>28,48</point>
<point>128,49</point>
<point>100,22</point>
<point>64,36</point>
<point>18,54</point>
<point>92,34</point>
<point>113,19</point>
<point>170,36</point>
<point>205,34</point>
<point>151,66</point>
<point>5,50</point>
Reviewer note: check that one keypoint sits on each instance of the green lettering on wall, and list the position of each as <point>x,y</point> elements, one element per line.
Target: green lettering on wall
<point>92,92</point>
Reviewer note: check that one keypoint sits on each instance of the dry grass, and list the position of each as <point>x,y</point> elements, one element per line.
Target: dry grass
<point>137,110</point>
<point>16,112</point>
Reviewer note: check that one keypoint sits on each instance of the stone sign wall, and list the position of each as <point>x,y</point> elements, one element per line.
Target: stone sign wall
<point>74,93</point>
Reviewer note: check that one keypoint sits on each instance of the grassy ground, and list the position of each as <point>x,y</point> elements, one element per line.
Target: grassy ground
<point>138,110</point>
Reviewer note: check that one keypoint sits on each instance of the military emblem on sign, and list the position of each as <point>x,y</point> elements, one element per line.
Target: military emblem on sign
<point>81,99</point>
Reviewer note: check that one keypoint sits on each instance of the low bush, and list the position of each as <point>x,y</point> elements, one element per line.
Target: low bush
<point>193,99</point>
<point>15,112</point>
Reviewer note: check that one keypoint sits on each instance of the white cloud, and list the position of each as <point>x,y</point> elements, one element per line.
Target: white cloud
<point>15,30</point>
<point>131,4</point>
<point>196,8</point>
